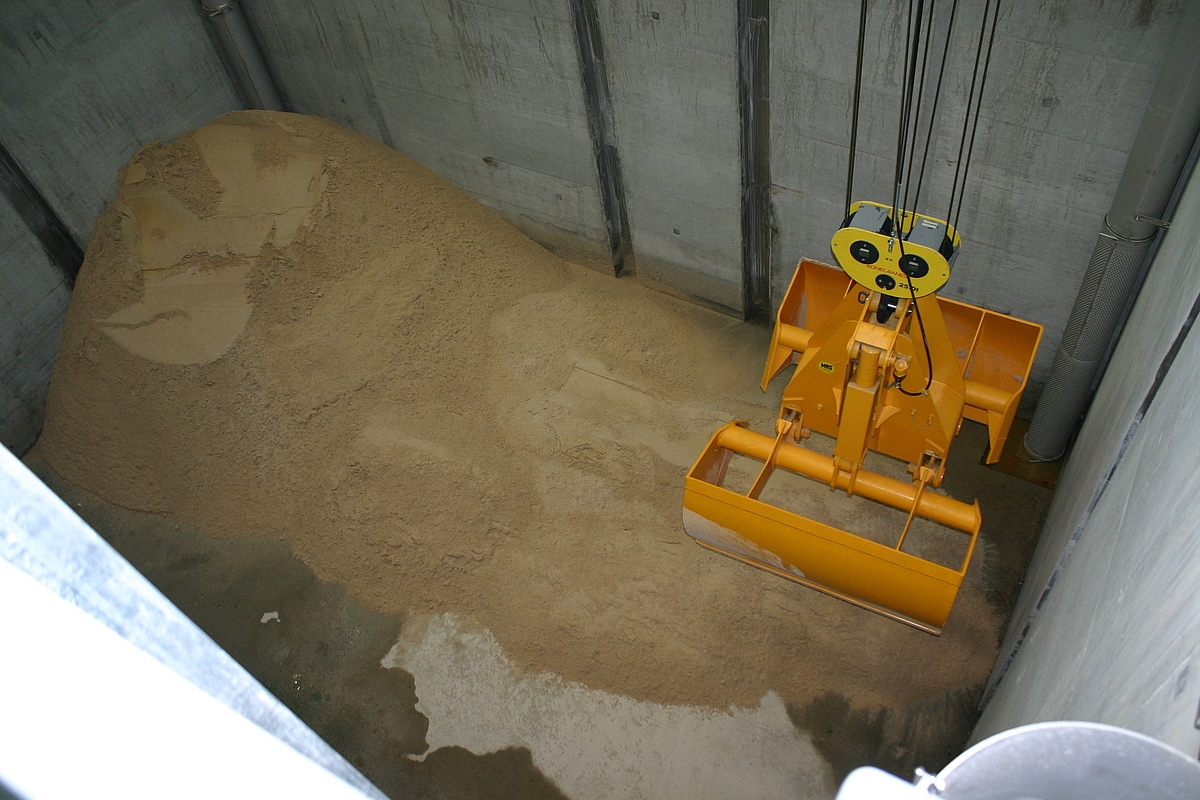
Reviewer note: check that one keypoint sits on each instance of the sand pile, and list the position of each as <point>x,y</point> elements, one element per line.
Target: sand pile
<point>284,328</point>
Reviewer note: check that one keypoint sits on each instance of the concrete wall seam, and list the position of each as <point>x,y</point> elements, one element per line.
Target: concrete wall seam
<point>754,112</point>
<point>39,216</point>
<point>598,102</point>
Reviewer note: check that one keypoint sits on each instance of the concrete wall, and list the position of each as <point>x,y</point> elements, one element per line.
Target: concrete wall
<point>1116,638</point>
<point>486,94</point>
<point>33,303</point>
<point>84,86</point>
<point>673,73</point>
<point>87,84</point>
<point>1065,94</point>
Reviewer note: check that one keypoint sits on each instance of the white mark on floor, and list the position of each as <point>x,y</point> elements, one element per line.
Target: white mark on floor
<point>594,744</point>
<point>269,616</point>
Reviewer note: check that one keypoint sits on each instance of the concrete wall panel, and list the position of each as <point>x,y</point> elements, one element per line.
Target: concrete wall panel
<point>1117,639</point>
<point>1170,288</point>
<point>87,84</point>
<point>486,94</point>
<point>672,68</point>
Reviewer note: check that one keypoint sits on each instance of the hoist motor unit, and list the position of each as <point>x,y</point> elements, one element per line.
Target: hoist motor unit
<point>870,251</point>
<point>890,368</point>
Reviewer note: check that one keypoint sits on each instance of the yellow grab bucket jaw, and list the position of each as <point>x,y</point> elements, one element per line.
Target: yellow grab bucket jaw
<point>875,576</point>
<point>815,292</point>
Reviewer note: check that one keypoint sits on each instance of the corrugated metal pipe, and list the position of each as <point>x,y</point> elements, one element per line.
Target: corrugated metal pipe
<point>1168,130</point>
<point>243,55</point>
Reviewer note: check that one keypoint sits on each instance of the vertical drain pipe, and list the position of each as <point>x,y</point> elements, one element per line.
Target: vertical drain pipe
<point>1164,140</point>
<point>243,55</point>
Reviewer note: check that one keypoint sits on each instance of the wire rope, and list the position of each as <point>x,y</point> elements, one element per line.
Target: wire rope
<point>905,110</point>
<point>862,38</point>
<point>937,96</point>
<point>916,115</point>
<point>912,99</point>
<point>967,116</point>
<point>978,107</point>
<point>911,53</point>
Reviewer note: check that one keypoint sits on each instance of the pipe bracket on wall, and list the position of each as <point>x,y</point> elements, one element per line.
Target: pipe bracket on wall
<point>1155,221</point>
<point>243,56</point>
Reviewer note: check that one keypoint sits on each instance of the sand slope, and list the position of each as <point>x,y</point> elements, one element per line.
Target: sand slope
<point>441,415</point>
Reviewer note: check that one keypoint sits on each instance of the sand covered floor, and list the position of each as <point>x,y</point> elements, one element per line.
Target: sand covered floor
<point>285,329</point>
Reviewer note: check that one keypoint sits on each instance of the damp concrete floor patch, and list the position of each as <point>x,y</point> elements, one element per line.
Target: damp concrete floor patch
<point>593,744</point>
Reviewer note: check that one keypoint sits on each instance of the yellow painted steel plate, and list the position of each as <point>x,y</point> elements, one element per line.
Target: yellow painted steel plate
<point>876,261</point>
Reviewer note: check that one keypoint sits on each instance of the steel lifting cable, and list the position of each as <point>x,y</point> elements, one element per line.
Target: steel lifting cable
<point>910,117</point>
<point>911,40</point>
<point>937,95</point>
<point>987,60</point>
<point>912,53</point>
<point>862,38</point>
<point>916,114</point>
<point>912,49</point>
<point>970,101</point>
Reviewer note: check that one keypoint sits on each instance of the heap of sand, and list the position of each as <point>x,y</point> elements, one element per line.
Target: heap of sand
<point>284,328</point>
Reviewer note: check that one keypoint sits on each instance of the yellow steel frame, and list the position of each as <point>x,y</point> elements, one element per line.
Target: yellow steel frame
<point>848,369</point>
<point>877,577</point>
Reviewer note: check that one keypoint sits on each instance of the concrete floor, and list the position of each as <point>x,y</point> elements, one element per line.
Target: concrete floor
<point>430,707</point>
<point>321,657</point>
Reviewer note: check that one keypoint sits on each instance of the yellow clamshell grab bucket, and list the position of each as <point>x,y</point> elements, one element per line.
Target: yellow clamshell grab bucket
<point>883,364</point>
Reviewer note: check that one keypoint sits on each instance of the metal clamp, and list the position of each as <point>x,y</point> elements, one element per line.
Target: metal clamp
<point>1166,226</point>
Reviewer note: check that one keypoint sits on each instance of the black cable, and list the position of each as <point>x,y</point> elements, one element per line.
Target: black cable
<point>978,108</point>
<point>862,38</point>
<point>912,48</point>
<point>904,111</point>
<point>937,96</point>
<point>916,115</point>
<point>962,144</point>
<point>924,338</point>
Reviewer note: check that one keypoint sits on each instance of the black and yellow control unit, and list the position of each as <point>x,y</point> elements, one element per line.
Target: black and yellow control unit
<point>906,260</point>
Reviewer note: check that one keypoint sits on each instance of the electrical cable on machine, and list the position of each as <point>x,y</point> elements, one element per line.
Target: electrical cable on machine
<point>850,335</point>
<point>905,115</point>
